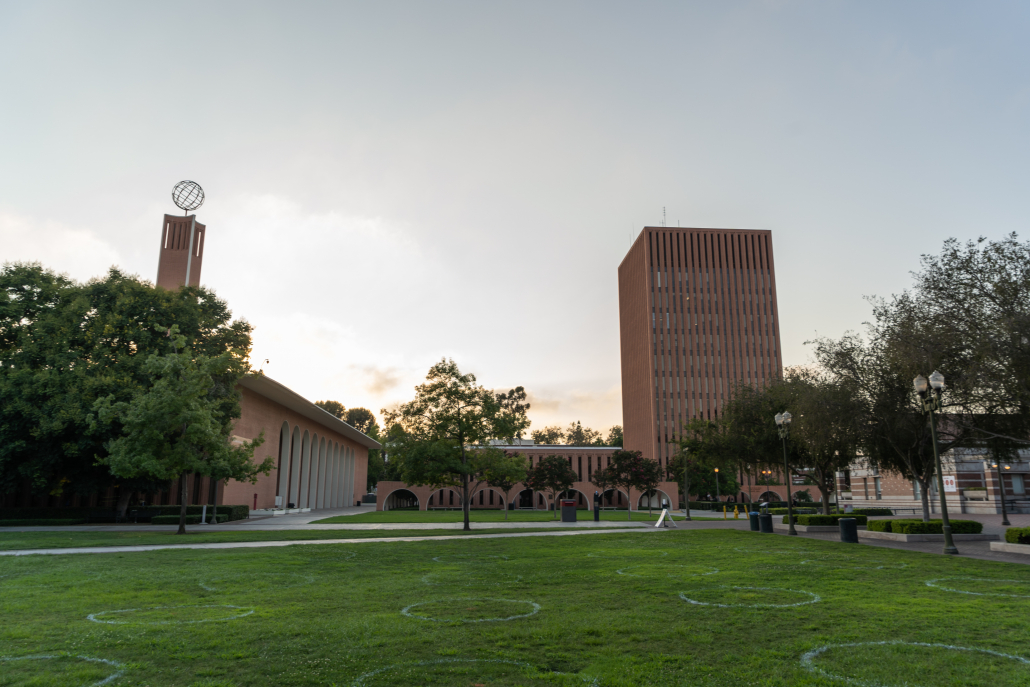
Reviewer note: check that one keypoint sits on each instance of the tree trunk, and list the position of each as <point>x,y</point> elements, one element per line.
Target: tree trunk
<point>465,500</point>
<point>505,505</point>
<point>183,494</point>
<point>123,502</point>
<point>629,503</point>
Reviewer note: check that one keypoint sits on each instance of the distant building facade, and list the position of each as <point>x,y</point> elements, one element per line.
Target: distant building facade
<point>584,461</point>
<point>697,314</point>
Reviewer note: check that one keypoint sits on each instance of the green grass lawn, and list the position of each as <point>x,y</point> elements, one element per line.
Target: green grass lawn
<point>488,516</point>
<point>708,607</point>
<point>62,540</point>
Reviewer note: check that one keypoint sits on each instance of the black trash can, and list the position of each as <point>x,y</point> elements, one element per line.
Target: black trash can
<point>848,530</point>
<point>753,517</point>
<point>568,510</point>
<point>765,523</point>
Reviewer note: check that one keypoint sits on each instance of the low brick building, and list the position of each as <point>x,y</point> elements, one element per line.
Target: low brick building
<point>583,460</point>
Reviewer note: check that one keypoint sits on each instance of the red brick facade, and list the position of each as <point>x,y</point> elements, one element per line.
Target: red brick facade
<point>697,315</point>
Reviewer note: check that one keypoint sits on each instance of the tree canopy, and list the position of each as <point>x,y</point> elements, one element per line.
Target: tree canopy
<point>64,344</point>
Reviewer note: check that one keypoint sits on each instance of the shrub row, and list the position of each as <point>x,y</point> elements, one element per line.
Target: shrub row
<point>143,513</point>
<point>1018,535</point>
<point>906,526</point>
<point>190,519</point>
<point>824,520</point>
<point>873,511</point>
<point>797,511</point>
<point>41,521</point>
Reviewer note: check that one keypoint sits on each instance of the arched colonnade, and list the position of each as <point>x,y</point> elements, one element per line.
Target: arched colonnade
<point>314,472</point>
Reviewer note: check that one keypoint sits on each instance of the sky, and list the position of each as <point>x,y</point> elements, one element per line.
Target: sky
<point>392,183</point>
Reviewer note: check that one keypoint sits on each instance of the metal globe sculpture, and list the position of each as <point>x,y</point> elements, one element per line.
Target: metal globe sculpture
<point>188,195</point>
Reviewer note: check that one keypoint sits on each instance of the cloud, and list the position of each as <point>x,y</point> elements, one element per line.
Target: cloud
<point>381,380</point>
<point>75,251</point>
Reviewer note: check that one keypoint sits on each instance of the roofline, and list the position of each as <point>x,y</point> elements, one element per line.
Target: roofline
<point>273,390</point>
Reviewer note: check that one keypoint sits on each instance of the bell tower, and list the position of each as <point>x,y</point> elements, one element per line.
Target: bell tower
<point>182,240</point>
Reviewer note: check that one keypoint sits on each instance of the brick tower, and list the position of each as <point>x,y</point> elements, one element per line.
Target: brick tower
<point>697,315</point>
<point>182,252</point>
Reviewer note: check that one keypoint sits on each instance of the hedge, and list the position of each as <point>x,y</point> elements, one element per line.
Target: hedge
<point>906,526</point>
<point>873,511</point>
<point>190,519</point>
<point>824,520</point>
<point>797,511</point>
<point>143,512</point>
<point>1018,535</point>
<point>41,521</point>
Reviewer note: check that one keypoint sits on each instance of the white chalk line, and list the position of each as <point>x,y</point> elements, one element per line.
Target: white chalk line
<point>95,617</point>
<point>807,659</point>
<point>815,598</point>
<point>407,610</point>
<point>110,678</point>
<point>360,680</point>
<point>930,583</point>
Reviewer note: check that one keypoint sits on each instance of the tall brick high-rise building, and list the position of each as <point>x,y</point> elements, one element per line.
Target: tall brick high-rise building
<point>697,315</point>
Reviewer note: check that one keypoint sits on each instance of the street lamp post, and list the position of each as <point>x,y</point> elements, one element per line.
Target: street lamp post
<point>717,499</point>
<point>1001,488</point>
<point>783,422</point>
<point>931,401</point>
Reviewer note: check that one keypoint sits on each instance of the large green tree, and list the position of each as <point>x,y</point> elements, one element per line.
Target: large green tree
<point>180,422</point>
<point>552,475</point>
<point>64,344</point>
<point>504,472</point>
<point>431,436</point>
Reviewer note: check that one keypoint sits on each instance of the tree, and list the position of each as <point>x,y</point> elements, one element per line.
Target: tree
<point>648,479</point>
<point>615,436</point>
<point>828,427</point>
<point>63,345</point>
<point>362,420</point>
<point>604,479</point>
<point>176,424</point>
<point>701,445</point>
<point>334,408</point>
<point>549,436</point>
<point>629,470</point>
<point>513,410</point>
<point>430,436</point>
<point>578,435</point>
<point>553,475</point>
<point>504,473</point>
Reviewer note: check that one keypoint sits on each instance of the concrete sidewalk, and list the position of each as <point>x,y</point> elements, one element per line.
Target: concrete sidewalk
<point>300,542</point>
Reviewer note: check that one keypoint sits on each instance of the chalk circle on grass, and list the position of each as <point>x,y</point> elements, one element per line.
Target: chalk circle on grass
<point>890,662</point>
<point>62,668</point>
<point>780,552</point>
<point>841,561</point>
<point>666,570</point>
<point>469,671</point>
<point>470,558</point>
<point>725,596</point>
<point>1006,588</point>
<point>172,615</point>
<point>252,581</point>
<point>471,578</point>
<point>470,609</point>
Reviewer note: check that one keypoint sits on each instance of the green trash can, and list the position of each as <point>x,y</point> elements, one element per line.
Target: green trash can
<point>753,518</point>
<point>848,530</point>
<point>765,523</point>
